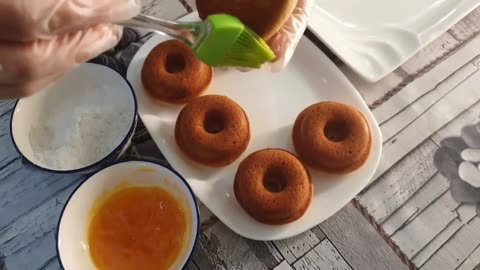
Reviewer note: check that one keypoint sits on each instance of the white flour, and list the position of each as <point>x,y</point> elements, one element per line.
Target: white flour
<point>87,135</point>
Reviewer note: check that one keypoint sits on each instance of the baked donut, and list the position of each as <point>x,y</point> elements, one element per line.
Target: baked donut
<point>265,17</point>
<point>212,130</point>
<point>332,137</point>
<point>173,74</point>
<point>273,187</point>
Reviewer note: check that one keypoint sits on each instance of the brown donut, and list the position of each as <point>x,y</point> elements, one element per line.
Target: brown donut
<point>173,74</point>
<point>273,187</point>
<point>265,17</point>
<point>332,137</point>
<point>212,130</point>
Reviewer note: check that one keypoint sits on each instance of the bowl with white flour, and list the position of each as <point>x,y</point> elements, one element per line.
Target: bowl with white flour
<point>80,124</point>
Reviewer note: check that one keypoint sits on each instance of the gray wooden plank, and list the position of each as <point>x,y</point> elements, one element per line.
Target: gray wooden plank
<point>460,216</point>
<point>283,266</point>
<point>264,253</point>
<point>358,242</point>
<point>372,92</point>
<point>9,155</point>
<point>454,128</point>
<point>397,185</point>
<point>465,213</point>
<point>6,107</point>
<point>191,266</point>
<point>205,213</point>
<point>37,223</point>
<point>406,116</point>
<point>428,81</point>
<point>415,235</point>
<point>438,115</point>
<point>52,265</point>
<point>472,261</point>
<point>38,253</point>
<point>427,194</point>
<point>467,27</point>
<point>434,50</point>
<point>274,251</point>
<point>221,248</point>
<point>295,247</point>
<point>457,248</point>
<point>11,165</point>
<point>323,257</point>
<point>24,189</point>
<point>318,232</point>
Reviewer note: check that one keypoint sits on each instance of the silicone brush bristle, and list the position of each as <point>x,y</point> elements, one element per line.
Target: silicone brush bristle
<point>249,50</point>
<point>228,42</point>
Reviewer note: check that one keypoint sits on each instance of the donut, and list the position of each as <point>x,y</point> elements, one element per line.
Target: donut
<point>265,17</point>
<point>273,187</point>
<point>212,130</point>
<point>332,137</point>
<point>173,74</point>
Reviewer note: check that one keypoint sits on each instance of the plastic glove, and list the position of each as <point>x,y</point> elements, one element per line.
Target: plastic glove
<point>286,40</point>
<point>40,40</point>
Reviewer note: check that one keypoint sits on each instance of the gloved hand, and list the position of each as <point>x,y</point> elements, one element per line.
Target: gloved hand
<point>286,40</point>
<point>40,40</point>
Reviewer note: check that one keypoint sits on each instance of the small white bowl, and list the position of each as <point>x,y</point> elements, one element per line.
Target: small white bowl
<point>72,234</point>
<point>47,131</point>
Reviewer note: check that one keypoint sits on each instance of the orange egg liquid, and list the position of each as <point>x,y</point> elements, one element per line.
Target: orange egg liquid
<point>139,228</point>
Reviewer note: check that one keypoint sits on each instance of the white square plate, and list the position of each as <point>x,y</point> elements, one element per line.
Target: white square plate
<point>374,37</point>
<point>272,102</point>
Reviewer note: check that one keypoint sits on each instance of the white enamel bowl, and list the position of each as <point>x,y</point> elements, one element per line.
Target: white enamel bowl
<point>72,234</point>
<point>89,87</point>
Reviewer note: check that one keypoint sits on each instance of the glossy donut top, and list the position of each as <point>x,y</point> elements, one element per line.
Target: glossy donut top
<point>273,186</point>
<point>332,137</point>
<point>212,130</point>
<point>173,74</point>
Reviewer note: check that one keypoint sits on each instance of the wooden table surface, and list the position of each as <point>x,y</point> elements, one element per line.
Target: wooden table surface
<point>408,213</point>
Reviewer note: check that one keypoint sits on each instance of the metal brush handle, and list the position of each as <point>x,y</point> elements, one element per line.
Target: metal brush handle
<point>186,32</point>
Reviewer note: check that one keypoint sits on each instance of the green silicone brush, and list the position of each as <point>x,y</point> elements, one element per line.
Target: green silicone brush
<point>220,40</point>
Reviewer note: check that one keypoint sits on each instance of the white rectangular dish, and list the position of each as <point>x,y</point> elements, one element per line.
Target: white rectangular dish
<point>272,101</point>
<point>374,37</point>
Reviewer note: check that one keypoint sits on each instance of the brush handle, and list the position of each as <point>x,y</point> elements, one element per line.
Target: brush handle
<point>186,32</point>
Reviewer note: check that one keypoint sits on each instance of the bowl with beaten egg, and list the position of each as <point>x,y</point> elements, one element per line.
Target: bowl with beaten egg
<point>131,215</point>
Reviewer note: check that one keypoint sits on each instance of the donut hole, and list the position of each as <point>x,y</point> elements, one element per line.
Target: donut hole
<point>274,181</point>
<point>336,130</point>
<point>175,63</point>
<point>214,122</point>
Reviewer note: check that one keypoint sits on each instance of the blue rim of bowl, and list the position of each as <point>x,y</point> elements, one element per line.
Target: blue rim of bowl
<point>97,163</point>
<point>127,161</point>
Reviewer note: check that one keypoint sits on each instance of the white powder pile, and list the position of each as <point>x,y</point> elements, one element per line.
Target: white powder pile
<point>86,135</point>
